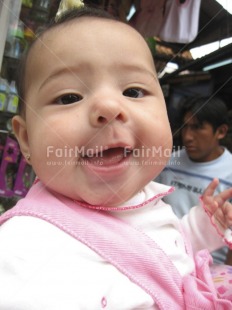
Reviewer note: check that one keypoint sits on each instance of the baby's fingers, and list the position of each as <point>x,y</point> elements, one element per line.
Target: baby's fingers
<point>219,199</point>
<point>227,209</point>
<point>209,201</point>
<point>210,189</point>
<point>223,197</point>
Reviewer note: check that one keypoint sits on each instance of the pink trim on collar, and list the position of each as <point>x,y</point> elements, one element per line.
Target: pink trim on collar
<point>125,208</point>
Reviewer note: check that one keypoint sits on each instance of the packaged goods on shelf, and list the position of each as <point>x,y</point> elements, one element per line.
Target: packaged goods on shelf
<point>23,178</point>
<point>16,175</point>
<point>13,99</point>
<point>8,168</point>
<point>4,90</point>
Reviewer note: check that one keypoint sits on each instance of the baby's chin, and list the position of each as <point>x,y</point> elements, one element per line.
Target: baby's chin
<point>108,201</point>
<point>114,197</point>
<point>90,198</point>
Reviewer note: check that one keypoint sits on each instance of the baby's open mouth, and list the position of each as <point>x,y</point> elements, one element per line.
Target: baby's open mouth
<point>108,157</point>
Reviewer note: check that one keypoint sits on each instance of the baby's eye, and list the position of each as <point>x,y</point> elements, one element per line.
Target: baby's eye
<point>134,92</point>
<point>69,98</point>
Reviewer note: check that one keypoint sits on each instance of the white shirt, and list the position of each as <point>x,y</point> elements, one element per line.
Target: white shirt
<point>43,268</point>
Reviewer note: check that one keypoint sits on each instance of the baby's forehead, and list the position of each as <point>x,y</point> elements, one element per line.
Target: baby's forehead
<point>72,32</point>
<point>87,24</point>
<point>84,24</point>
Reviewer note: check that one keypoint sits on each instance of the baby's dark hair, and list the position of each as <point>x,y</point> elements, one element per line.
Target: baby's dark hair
<point>212,110</point>
<point>66,17</point>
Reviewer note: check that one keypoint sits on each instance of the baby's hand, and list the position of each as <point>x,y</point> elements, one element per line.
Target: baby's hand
<point>219,209</point>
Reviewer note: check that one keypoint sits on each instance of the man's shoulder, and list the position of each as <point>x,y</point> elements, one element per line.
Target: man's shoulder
<point>227,155</point>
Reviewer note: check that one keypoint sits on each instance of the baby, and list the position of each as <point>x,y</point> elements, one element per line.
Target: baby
<point>93,231</point>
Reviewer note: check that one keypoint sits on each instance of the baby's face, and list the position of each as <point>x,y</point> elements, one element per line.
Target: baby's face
<point>96,122</point>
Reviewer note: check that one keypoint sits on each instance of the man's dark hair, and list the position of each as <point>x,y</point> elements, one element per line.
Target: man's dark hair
<point>212,110</point>
<point>66,17</point>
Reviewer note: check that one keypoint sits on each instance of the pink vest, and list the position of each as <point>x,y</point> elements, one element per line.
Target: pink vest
<point>145,264</point>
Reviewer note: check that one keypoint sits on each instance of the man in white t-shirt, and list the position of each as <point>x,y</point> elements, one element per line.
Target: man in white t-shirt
<point>202,158</point>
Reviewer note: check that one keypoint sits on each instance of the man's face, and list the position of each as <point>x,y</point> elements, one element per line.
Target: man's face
<point>200,140</point>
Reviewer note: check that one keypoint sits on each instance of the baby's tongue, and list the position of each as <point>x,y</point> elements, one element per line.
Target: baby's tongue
<point>108,157</point>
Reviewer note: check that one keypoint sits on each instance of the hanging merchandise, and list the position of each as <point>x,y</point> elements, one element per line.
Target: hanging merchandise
<point>181,21</point>
<point>67,5</point>
<point>27,3</point>
<point>148,17</point>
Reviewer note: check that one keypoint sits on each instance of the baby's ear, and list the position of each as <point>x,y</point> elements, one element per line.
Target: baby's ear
<point>20,131</point>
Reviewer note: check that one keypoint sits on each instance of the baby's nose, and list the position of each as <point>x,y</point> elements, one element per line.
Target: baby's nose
<point>105,110</point>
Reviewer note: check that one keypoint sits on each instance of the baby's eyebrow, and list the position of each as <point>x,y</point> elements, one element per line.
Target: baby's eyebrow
<point>52,76</point>
<point>124,67</point>
<point>60,71</point>
<point>139,69</point>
